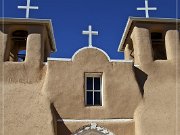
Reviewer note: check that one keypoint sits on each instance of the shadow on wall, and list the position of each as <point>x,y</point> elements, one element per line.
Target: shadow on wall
<point>59,126</point>
<point>141,78</point>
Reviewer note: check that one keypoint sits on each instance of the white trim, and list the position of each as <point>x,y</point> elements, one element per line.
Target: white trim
<point>52,36</point>
<point>95,120</point>
<point>84,48</point>
<point>58,59</point>
<point>93,75</point>
<point>69,59</point>
<point>125,33</point>
<point>74,55</point>
<point>126,61</point>
<point>102,89</point>
<point>136,65</point>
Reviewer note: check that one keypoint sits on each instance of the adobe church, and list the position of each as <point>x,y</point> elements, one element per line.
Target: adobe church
<point>90,94</point>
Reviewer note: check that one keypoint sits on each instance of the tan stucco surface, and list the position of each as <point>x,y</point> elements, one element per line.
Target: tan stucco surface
<point>146,93</point>
<point>24,107</point>
<point>157,113</point>
<point>64,85</point>
<point>30,87</point>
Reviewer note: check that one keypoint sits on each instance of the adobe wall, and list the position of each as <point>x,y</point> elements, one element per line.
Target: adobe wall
<point>30,87</point>
<point>64,86</point>
<point>157,114</point>
<point>3,38</point>
<point>26,110</point>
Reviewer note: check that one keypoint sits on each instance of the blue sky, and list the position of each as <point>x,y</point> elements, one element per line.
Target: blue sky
<point>70,17</point>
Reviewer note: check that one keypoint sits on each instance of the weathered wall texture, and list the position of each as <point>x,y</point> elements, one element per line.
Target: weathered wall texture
<point>156,115</point>
<point>26,110</point>
<point>178,89</point>
<point>3,39</point>
<point>30,89</point>
<point>64,86</point>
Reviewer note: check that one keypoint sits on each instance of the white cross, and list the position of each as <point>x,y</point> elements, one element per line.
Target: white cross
<point>28,7</point>
<point>90,33</point>
<point>146,8</point>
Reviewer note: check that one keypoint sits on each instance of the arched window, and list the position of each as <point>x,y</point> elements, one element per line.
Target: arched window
<point>18,46</point>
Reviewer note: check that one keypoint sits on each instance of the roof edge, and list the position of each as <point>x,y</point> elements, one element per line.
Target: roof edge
<point>142,19</point>
<point>23,19</point>
<point>47,22</point>
<point>125,33</point>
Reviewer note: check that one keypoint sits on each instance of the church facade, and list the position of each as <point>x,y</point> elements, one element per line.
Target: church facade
<point>90,94</point>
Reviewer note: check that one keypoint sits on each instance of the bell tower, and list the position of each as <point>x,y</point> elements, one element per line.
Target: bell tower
<point>147,40</point>
<point>27,38</point>
<point>26,45</point>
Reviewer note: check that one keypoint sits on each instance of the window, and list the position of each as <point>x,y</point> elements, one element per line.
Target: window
<point>18,48</point>
<point>158,46</point>
<point>93,89</point>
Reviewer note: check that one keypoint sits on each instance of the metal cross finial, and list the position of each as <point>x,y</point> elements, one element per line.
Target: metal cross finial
<point>90,33</point>
<point>146,8</point>
<point>28,7</point>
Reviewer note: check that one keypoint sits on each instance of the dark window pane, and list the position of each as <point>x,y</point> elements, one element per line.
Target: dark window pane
<point>156,35</point>
<point>97,98</point>
<point>89,98</point>
<point>97,83</point>
<point>89,83</point>
<point>158,46</point>
<point>20,33</point>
